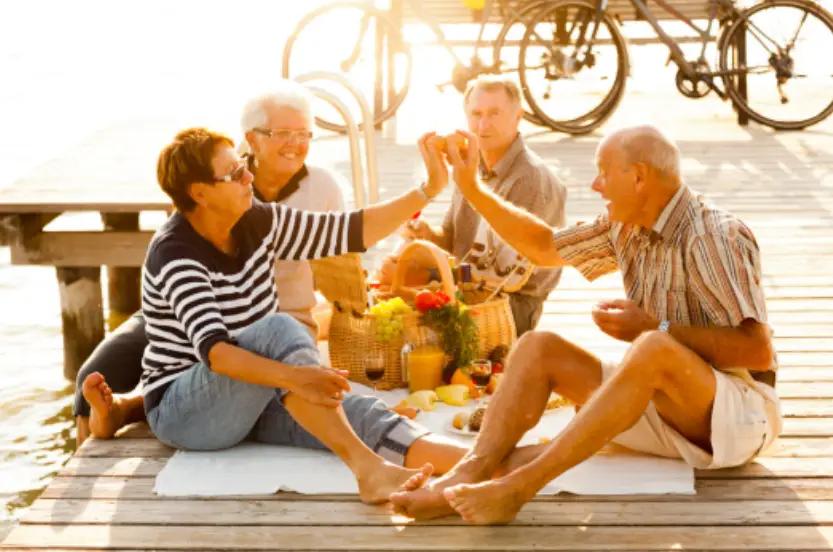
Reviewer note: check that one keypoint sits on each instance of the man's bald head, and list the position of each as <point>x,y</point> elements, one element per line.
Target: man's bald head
<point>646,144</point>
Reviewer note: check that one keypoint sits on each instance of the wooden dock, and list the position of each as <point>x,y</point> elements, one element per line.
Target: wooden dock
<point>780,184</point>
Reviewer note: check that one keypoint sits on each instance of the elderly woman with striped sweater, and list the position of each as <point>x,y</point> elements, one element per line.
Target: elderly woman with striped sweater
<point>221,365</point>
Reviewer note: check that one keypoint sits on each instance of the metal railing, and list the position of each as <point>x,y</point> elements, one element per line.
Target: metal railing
<point>352,133</point>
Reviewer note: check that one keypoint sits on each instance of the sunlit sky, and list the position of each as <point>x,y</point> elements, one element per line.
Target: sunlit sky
<point>70,68</point>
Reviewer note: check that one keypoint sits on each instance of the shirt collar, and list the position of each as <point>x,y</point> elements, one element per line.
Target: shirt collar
<point>674,214</point>
<point>501,168</point>
<point>290,188</point>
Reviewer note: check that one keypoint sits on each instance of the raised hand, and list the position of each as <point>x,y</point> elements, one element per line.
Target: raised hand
<point>417,229</point>
<point>320,385</point>
<point>464,155</point>
<point>623,319</point>
<point>429,148</point>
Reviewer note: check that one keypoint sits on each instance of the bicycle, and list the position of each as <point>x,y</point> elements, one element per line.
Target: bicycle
<point>369,22</point>
<point>580,40</point>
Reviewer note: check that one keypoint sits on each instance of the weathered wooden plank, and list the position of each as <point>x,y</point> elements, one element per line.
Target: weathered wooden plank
<point>773,467</point>
<point>814,390</point>
<point>804,408</point>
<point>84,249</point>
<point>804,375</point>
<point>424,538</point>
<point>113,467</point>
<point>247,513</point>
<point>807,427</point>
<point>708,490</point>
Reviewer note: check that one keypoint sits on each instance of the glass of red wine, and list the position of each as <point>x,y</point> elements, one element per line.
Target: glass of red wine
<point>480,371</point>
<point>374,368</point>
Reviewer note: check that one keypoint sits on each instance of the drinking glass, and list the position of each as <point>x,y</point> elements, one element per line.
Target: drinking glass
<point>374,368</point>
<point>480,371</point>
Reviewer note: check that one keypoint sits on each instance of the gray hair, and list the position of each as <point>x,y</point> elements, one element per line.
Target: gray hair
<point>286,94</point>
<point>647,144</point>
<point>491,83</point>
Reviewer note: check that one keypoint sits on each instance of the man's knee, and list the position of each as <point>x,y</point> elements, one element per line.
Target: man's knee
<point>649,355</point>
<point>538,343</point>
<point>536,349</point>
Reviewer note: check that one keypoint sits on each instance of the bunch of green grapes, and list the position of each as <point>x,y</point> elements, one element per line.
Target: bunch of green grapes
<point>388,315</point>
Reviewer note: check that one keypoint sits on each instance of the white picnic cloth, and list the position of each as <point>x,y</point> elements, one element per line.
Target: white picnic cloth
<point>259,469</point>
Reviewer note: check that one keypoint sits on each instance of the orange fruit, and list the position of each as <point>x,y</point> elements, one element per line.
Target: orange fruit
<point>461,378</point>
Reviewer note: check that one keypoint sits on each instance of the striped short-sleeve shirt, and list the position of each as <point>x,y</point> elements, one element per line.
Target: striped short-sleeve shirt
<point>698,266</point>
<point>194,295</point>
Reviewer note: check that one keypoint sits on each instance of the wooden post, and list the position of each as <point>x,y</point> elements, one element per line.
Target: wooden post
<point>5,230</point>
<point>740,61</point>
<point>123,283</point>
<point>81,314</point>
<point>394,46</point>
<point>379,88</point>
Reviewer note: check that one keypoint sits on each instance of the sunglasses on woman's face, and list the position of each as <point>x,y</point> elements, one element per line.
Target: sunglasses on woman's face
<point>234,176</point>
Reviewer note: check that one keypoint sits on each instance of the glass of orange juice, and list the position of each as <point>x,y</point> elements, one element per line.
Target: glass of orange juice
<point>425,367</point>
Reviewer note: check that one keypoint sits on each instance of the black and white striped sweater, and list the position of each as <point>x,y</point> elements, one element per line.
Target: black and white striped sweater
<point>194,295</point>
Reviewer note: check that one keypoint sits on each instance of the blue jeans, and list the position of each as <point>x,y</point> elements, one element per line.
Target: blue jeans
<point>203,410</point>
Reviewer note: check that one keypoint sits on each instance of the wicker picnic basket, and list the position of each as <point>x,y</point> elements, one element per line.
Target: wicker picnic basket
<point>342,281</point>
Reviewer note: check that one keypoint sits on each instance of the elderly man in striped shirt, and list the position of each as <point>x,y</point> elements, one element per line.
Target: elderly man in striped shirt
<point>697,382</point>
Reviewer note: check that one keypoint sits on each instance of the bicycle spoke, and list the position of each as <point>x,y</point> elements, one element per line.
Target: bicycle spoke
<point>791,43</point>
<point>571,80</point>
<point>787,83</point>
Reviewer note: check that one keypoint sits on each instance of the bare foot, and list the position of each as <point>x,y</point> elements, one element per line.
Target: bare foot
<point>377,487</point>
<point>106,415</point>
<point>493,502</point>
<point>417,500</point>
<point>520,457</point>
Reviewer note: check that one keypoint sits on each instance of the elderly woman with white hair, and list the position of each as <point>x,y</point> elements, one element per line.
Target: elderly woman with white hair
<point>278,130</point>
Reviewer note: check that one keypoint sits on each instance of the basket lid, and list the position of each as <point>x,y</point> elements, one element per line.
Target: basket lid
<point>342,280</point>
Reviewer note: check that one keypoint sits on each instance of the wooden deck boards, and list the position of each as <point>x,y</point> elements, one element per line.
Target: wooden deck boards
<point>780,184</point>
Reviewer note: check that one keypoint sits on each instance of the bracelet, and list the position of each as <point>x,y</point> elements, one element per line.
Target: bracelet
<point>425,195</point>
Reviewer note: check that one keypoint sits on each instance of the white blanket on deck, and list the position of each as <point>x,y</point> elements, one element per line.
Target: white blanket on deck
<point>258,469</point>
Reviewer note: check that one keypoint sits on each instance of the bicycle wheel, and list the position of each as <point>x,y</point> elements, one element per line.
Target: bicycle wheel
<point>788,69</point>
<point>342,38</point>
<point>505,53</point>
<point>573,71</point>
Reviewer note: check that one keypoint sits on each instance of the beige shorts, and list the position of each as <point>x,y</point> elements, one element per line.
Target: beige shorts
<point>746,419</point>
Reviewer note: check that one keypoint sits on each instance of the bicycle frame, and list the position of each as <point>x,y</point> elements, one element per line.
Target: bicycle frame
<point>674,49</point>
<point>418,9</point>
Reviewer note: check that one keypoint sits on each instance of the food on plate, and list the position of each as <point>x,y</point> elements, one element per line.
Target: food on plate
<point>455,395</point>
<point>423,399</point>
<point>460,420</point>
<point>476,419</point>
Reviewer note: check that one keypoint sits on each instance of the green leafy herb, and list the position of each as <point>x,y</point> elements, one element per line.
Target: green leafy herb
<point>457,331</point>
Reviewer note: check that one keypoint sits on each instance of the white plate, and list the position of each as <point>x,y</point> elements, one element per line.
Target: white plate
<point>462,432</point>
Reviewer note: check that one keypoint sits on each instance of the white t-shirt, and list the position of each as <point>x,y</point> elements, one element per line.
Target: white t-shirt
<point>320,190</point>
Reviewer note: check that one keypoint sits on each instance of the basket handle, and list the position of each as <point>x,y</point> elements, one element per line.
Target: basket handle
<point>440,258</point>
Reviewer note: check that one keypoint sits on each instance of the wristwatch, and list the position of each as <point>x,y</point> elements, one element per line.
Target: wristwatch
<point>664,325</point>
<point>424,192</point>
